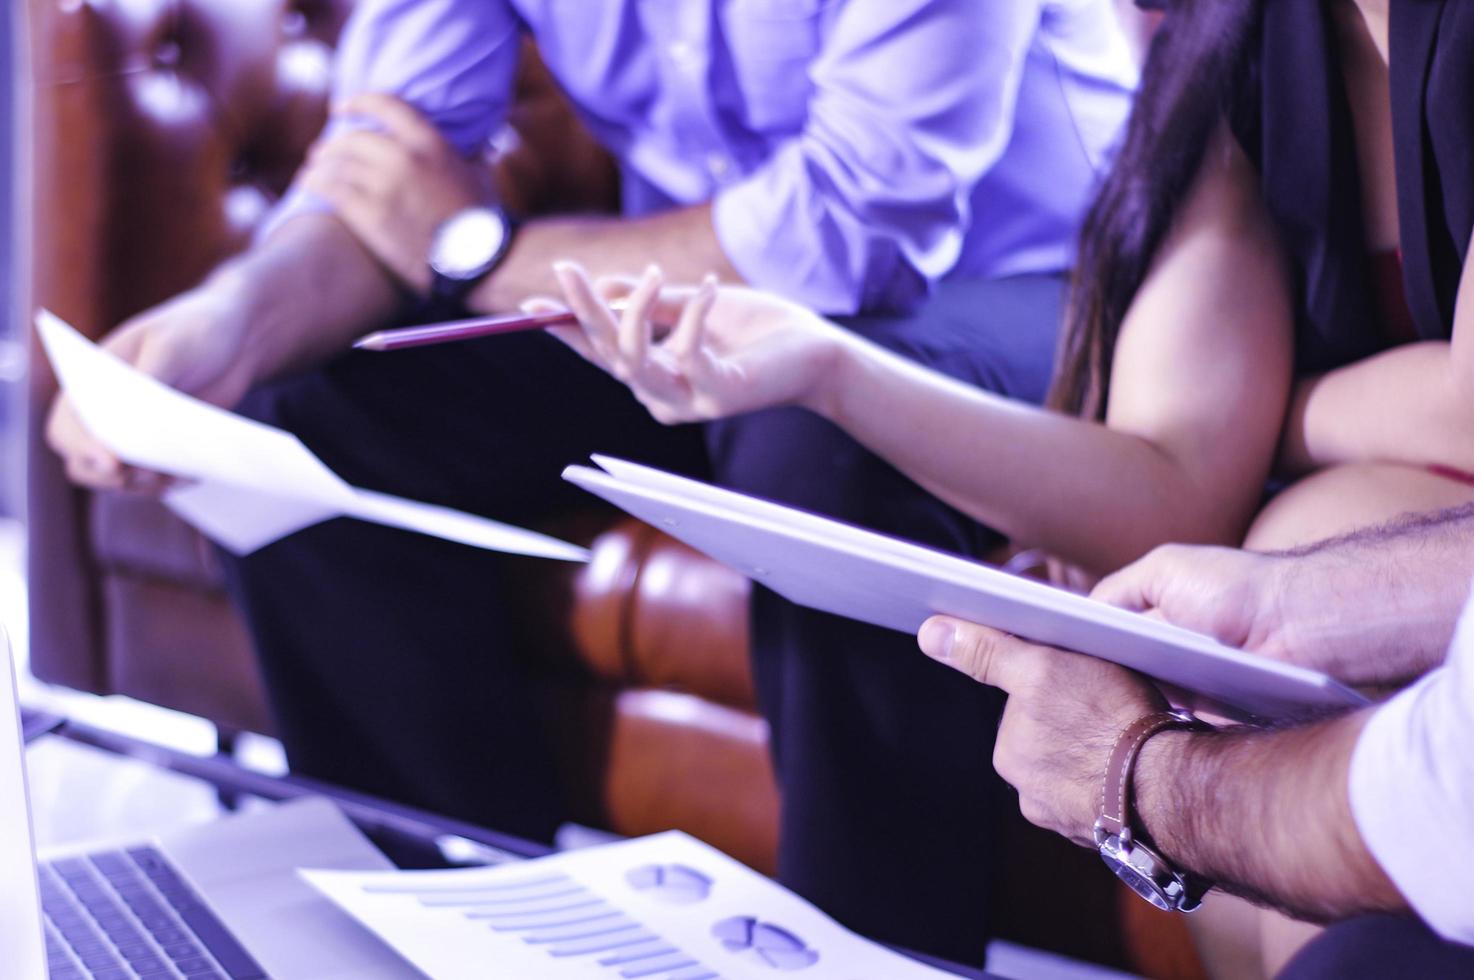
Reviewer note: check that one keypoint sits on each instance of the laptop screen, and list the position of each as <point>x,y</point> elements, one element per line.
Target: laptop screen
<point>21,937</point>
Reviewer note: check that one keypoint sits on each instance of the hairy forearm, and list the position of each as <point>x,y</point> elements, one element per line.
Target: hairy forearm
<point>1266,815</point>
<point>682,242</point>
<point>1407,405</point>
<point>1093,496</point>
<point>309,290</point>
<point>1262,814</point>
<point>1389,595</point>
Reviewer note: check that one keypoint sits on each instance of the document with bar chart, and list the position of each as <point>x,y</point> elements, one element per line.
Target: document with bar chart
<point>666,907</point>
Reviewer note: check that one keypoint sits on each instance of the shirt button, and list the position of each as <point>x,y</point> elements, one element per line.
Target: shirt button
<point>718,165</point>
<point>681,54</point>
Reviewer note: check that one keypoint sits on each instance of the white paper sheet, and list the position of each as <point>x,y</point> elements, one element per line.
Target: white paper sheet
<point>850,571</point>
<point>666,907</point>
<point>249,484</point>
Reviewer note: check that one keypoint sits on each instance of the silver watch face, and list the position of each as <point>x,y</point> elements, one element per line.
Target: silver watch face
<point>468,242</point>
<point>1142,873</point>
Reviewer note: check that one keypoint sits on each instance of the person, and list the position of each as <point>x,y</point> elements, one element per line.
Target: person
<point>1201,332</point>
<point>1359,818</point>
<point>912,161</point>
<point>1268,298</point>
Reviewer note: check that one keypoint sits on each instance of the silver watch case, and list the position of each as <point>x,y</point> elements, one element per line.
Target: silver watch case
<point>469,243</point>
<point>1145,872</point>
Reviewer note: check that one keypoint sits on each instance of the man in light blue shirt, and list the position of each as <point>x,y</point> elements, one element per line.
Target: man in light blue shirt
<point>847,155</point>
<point>917,165</point>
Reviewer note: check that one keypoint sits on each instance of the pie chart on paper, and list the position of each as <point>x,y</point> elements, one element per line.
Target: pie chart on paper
<point>675,884</point>
<point>765,943</point>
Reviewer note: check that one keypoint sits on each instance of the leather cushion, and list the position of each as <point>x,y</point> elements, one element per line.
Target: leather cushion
<point>140,536</point>
<point>651,612</point>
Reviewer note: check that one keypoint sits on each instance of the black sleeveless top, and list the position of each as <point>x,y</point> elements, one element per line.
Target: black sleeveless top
<point>1294,121</point>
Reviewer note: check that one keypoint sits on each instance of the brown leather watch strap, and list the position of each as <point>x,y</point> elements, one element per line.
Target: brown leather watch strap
<point>1115,794</point>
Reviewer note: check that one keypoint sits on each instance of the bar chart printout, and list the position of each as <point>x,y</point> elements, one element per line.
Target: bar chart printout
<point>666,907</point>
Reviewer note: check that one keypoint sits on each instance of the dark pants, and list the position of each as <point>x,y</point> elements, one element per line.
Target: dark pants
<point>1380,946</point>
<point>387,654</point>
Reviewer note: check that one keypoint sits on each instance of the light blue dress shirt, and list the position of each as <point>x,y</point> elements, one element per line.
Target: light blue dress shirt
<point>854,151</point>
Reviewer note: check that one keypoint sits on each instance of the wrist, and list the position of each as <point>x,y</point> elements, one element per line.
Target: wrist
<point>248,314</point>
<point>495,295</point>
<point>1163,810</point>
<point>838,364</point>
<point>234,283</point>
<point>1310,623</point>
<point>1120,831</point>
<point>525,272</point>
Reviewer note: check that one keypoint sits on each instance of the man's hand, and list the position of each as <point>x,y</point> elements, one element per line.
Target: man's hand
<point>194,342</point>
<point>1063,716</point>
<point>1228,594</point>
<point>1345,609</point>
<point>1232,807</point>
<point>691,355</point>
<point>395,185</point>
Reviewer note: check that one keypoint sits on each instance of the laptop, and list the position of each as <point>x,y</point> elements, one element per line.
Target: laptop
<point>220,901</point>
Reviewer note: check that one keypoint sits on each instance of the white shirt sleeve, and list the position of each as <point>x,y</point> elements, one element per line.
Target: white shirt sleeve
<point>1412,790</point>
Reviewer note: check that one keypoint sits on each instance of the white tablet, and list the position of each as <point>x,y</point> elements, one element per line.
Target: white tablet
<point>838,568</point>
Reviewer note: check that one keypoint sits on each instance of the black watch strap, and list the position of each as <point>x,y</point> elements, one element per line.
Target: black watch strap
<point>448,295</point>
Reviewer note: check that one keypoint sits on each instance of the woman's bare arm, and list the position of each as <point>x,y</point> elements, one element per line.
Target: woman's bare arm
<point>1201,378</point>
<point>1412,404</point>
<point>1200,381</point>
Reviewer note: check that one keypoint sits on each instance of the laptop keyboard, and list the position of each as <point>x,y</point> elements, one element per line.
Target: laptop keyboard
<point>128,915</point>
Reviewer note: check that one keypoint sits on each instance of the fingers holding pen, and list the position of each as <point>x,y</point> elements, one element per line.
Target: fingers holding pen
<point>572,336</point>
<point>690,330</point>
<point>651,336</point>
<point>598,322</point>
<point>636,324</point>
<point>614,320</point>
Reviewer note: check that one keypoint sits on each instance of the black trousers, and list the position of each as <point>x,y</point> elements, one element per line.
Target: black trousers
<point>1380,946</point>
<point>387,654</point>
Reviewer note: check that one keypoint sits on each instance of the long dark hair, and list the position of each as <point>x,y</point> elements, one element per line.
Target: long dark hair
<point>1194,75</point>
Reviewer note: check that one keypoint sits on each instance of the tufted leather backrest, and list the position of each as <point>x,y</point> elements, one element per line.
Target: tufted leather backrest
<point>649,611</point>
<point>164,131</point>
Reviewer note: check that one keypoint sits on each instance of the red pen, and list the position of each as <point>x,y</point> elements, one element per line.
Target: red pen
<point>451,330</point>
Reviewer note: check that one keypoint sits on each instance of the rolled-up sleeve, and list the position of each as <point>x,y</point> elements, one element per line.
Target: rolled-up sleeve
<point>1412,790</point>
<point>913,101</point>
<point>453,60</point>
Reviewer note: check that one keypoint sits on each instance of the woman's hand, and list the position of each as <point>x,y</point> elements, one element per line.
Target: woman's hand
<point>694,354</point>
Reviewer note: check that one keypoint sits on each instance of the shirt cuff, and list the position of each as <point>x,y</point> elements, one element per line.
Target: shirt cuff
<point>1412,793</point>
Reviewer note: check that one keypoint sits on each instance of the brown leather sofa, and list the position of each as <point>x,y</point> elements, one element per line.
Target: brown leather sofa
<point>163,131</point>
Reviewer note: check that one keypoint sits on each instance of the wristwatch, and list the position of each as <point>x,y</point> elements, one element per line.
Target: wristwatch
<point>1135,862</point>
<point>466,247</point>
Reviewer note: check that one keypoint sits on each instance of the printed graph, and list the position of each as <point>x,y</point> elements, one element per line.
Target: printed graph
<point>567,920</point>
<point>665,907</point>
